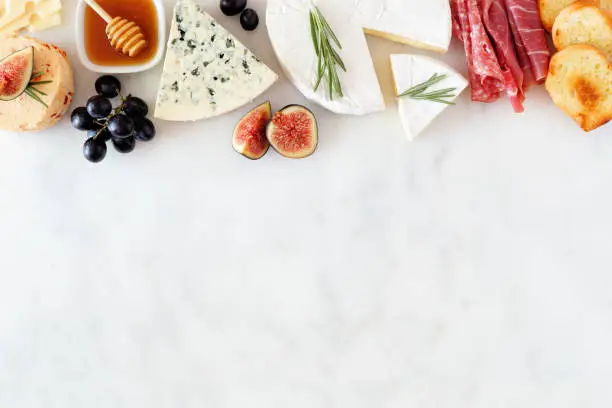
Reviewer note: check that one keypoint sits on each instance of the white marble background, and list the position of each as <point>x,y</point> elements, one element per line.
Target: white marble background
<point>469,269</point>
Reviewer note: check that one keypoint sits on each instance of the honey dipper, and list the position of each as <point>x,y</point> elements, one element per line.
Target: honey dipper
<point>125,36</point>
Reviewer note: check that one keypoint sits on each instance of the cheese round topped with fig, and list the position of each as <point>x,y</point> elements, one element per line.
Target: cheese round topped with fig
<point>47,83</point>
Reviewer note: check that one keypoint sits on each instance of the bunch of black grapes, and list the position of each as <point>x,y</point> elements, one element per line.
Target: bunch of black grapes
<point>122,125</point>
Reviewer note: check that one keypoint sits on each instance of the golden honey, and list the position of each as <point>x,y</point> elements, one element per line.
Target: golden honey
<point>97,45</point>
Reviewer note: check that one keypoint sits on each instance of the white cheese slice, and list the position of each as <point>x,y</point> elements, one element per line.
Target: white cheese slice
<point>39,23</point>
<point>36,17</point>
<point>14,9</point>
<point>410,70</point>
<point>423,23</point>
<point>207,71</point>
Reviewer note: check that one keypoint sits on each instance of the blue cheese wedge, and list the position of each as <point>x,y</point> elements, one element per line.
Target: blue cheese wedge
<point>207,71</point>
<point>411,70</point>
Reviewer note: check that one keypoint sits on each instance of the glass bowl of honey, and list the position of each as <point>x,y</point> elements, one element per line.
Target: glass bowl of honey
<point>94,48</point>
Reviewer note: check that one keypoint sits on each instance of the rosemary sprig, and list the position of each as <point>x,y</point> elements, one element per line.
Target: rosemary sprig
<point>34,92</point>
<point>325,41</point>
<point>420,91</point>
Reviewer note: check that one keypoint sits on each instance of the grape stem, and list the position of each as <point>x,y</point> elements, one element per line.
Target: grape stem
<point>116,111</point>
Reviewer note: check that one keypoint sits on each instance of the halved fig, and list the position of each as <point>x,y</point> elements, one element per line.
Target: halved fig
<point>293,132</point>
<point>250,133</point>
<point>15,73</point>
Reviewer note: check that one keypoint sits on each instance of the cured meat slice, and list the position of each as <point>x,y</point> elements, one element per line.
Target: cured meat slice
<point>461,30</point>
<point>485,63</point>
<point>523,56</point>
<point>529,34</point>
<point>497,25</point>
<point>457,28</point>
<point>486,77</point>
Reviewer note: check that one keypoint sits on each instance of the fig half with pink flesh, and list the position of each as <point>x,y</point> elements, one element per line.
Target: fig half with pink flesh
<point>15,73</point>
<point>250,133</point>
<point>293,132</point>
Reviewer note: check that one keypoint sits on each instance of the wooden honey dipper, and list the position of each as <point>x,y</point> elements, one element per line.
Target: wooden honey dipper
<point>125,36</point>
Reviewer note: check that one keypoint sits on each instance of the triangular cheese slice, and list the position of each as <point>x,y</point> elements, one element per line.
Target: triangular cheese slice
<point>39,23</point>
<point>410,70</point>
<point>421,23</point>
<point>207,71</point>
<point>45,14</point>
<point>14,9</point>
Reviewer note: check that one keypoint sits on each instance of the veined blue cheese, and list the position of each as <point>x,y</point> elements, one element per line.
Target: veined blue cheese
<point>207,71</point>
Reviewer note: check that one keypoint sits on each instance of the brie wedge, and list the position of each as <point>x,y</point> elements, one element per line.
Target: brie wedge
<point>421,23</point>
<point>410,70</point>
<point>207,71</point>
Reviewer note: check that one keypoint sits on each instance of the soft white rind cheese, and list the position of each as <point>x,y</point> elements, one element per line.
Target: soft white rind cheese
<point>207,71</point>
<point>289,29</point>
<point>410,70</point>
<point>423,23</point>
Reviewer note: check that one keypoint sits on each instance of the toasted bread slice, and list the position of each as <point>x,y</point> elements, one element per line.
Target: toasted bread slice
<point>550,9</point>
<point>580,82</point>
<point>582,23</point>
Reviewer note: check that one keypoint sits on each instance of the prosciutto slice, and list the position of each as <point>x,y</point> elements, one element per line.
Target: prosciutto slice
<point>523,57</point>
<point>529,35</point>
<point>486,76</point>
<point>505,46</point>
<point>498,27</point>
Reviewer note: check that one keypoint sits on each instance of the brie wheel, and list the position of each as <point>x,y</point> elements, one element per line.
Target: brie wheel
<point>421,23</point>
<point>410,70</point>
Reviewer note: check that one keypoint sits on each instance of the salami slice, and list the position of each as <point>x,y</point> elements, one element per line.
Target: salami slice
<point>486,77</point>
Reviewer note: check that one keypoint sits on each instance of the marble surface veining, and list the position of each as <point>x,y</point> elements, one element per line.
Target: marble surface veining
<point>469,269</point>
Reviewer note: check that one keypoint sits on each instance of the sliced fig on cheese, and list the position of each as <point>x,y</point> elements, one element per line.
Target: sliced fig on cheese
<point>15,73</point>
<point>293,132</point>
<point>250,134</point>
